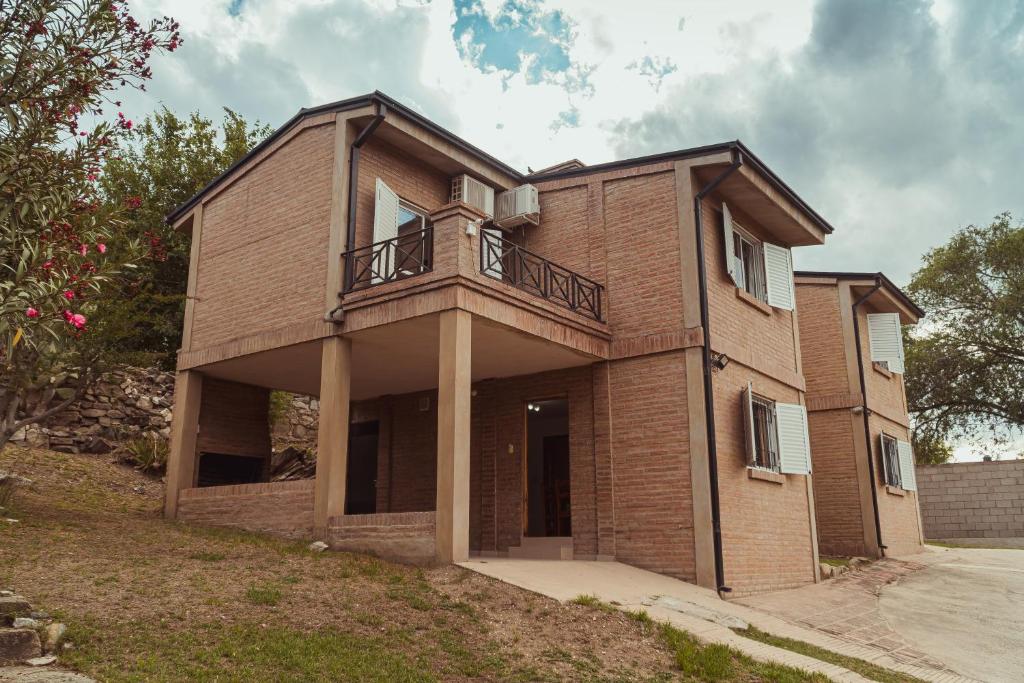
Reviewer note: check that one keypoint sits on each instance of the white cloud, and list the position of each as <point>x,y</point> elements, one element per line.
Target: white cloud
<point>898,121</point>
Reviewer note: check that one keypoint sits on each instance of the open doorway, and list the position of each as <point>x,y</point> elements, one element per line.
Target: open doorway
<point>361,474</point>
<point>547,505</point>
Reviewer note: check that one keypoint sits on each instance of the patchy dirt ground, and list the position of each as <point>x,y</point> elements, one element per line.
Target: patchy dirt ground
<point>150,600</point>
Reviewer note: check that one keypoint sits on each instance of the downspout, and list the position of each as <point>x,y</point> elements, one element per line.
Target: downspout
<point>353,186</point>
<point>709,400</point>
<point>867,413</point>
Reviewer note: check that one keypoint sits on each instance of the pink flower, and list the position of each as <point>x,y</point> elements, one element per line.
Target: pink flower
<point>69,295</point>
<point>31,312</point>
<point>78,320</point>
<point>102,248</point>
<point>67,315</point>
<point>83,249</point>
<point>48,265</point>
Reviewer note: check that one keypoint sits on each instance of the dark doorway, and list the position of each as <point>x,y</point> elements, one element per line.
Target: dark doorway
<point>220,469</point>
<point>361,477</point>
<point>547,504</point>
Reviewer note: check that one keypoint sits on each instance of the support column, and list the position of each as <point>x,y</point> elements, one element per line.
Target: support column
<point>332,433</point>
<point>453,412</point>
<point>181,460</point>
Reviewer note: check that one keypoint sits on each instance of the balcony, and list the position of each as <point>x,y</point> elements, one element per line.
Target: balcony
<point>506,261</point>
<point>389,260</point>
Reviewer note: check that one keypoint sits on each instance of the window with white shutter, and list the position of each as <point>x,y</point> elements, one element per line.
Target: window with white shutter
<point>747,261</point>
<point>794,442</point>
<point>891,469</point>
<point>885,337</point>
<point>778,264</point>
<point>906,458</point>
<point>762,438</point>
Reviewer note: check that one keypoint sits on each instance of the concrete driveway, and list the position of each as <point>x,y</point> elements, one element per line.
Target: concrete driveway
<point>966,609</point>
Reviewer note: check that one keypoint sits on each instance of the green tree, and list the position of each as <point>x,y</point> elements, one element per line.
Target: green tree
<point>61,248</point>
<point>965,367</point>
<point>168,160</point>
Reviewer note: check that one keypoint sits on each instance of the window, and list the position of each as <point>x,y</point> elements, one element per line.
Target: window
<point>765,435</point>
<point>890,461</point>
<point>748,258</point>
<point>776,434</point>
<point>885,335</point>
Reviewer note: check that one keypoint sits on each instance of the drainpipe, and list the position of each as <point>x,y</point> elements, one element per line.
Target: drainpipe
<point>867,413</point>
<point>709,400</point>
<point>353,185</point>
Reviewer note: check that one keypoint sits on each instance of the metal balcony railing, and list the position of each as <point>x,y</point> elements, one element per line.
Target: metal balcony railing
<point>389,260</point>
<point>508,262</point>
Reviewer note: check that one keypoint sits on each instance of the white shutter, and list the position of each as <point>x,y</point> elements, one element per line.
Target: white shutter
<point>385,213</point>
<point>747,406</point>
<point>906,456</point>
<point>385,227</point>
<point>778,266</point>
<point>886,338</point>
<point>794,443</point>
<point>730,258</point>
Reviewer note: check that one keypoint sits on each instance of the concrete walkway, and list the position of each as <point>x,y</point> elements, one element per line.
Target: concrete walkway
<point>691,608</point>
<point>848,610</point>
<point>965,608</point>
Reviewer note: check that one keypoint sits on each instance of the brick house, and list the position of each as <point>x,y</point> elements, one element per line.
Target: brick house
<point>587,362</point>
<point>852,346</point>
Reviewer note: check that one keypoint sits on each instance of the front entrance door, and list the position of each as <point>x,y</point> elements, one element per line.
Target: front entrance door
<point>361,477</point>
<point>547,504</point>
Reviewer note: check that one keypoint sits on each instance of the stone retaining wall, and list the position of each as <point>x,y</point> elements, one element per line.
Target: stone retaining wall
<point>398,536</point>
<point>972,499</point>
<point>282,508</point>
<point>134,402</point>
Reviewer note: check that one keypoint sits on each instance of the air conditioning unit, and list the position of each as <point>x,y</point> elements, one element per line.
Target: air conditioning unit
<point>518,206</point>
<point>471,191</point>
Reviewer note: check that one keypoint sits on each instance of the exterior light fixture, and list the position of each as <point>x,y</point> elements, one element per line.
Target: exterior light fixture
<point>719,360</point>
<point>533,406</point>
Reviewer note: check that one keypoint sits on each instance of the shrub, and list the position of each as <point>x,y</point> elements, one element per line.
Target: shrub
<point>147,453</point>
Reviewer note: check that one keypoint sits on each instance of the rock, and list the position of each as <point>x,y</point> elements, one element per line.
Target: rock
<point>6,593</point>
<point>53,635</point>
<point>317,546</point>
<point>14,479</point>
<point>12,607</point>
<point>18,645</point>
<point>25,622</point>
<point>39,614</point>
<point>93,412</point>
<point>41,661</point>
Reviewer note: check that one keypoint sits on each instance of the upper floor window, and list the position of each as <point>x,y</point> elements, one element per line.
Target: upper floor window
<point>763,269</point>
<point>885,336</point>
<point>748,255</point>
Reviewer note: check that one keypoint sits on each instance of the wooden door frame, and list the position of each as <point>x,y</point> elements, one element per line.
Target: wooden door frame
<point>524,502</point>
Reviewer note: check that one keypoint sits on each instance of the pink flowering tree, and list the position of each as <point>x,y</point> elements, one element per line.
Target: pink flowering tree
<point>61,247</point>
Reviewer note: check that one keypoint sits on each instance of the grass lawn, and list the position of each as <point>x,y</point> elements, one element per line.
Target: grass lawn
<point>145,599</point>
<point>860,666</point>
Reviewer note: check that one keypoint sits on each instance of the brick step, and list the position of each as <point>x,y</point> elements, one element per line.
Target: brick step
<point>543,548</point>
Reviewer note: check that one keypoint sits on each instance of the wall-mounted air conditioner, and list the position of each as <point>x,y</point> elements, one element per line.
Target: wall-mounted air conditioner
<point>471,191</point>
<point>518,206</point>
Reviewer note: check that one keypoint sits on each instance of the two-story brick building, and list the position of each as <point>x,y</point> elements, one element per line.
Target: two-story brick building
<point>852,346</point>
<point>586,362</point>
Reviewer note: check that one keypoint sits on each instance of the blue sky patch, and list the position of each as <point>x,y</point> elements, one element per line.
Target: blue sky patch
<point>235,7</point>
<point>521,34</point>
<point>655,68</point>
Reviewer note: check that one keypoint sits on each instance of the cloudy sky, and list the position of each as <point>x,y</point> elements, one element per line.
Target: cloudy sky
<point>898,120</point>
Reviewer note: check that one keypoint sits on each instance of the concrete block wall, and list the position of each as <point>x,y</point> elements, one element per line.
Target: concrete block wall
<point>972,500</point>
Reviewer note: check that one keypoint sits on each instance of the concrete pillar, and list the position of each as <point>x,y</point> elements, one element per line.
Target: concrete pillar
<point>453,424</point>
<point>181,460</point>
<point>332,434</point>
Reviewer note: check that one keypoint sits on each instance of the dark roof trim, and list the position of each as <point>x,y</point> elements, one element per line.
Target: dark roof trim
<point>734,146</point>
<point>886,282</point>
<point>376,97</point>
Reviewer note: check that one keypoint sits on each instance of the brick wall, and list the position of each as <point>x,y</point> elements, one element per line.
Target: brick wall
<point>263,250</point>
<point>283,508</point>
<point>897,508</point>
<point>401,537</point>
<point>837,502</point>
<point>233,419</point>
<point>972,500</point>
